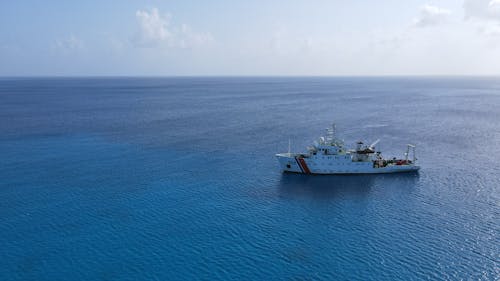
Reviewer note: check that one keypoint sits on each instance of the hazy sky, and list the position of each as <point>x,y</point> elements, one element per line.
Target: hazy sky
<point>289,37</point>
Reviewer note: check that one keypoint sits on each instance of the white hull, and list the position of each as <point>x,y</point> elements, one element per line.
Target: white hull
<point>336,164</point>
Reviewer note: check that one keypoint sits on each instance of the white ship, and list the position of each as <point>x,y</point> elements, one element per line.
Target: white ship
<point>329,156</point>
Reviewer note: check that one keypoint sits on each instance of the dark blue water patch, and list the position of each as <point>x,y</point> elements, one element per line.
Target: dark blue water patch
<point>140,179</point>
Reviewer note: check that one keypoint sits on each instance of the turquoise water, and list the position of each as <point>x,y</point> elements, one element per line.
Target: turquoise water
<point>175,178</point>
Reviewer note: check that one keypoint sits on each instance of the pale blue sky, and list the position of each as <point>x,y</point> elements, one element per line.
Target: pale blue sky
<point>355,37</point>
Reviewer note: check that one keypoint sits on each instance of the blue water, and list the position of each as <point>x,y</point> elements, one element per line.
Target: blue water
<point>175,178</point>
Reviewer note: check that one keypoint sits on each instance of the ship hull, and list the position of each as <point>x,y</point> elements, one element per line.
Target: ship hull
<point>334,165</point>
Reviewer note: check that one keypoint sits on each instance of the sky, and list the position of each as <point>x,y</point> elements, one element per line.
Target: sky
<point>254,37</point>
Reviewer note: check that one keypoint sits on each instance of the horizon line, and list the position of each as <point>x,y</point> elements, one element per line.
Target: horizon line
<point>261,76</point>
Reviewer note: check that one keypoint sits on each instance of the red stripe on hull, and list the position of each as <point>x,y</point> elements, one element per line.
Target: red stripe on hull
<point>298,163</point>
<point>304,166</point>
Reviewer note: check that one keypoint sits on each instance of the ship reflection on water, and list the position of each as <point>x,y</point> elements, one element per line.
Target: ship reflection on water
<point>332,186</point>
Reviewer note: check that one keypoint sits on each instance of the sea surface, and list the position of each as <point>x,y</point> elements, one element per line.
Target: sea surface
<point>176,179</point>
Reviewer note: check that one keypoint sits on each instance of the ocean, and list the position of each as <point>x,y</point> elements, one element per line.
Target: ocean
<point>176,179</point>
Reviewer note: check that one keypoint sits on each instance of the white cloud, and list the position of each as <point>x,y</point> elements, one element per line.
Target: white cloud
<point>68,45</point>
<point>485,15</point>
<point>153,28</point>
<point>187,38</point>
<point>431,15</point>
<point>156,30</point>
<point>489,29</point>
<point>482,9</point>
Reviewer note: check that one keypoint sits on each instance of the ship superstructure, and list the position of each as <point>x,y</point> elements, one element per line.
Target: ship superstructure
<point>328,155</point>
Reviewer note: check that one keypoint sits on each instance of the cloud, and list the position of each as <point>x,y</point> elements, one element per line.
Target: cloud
<point>492,30</point>
<point>431,16</point>
<point>67,45</point>
<point>482,9</point>
<point>485,15</point>
<point>153,28</point>
<point>187,38</point>
<point>156,30</point>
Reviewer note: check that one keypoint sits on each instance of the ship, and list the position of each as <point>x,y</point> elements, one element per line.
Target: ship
<point>328,155</point>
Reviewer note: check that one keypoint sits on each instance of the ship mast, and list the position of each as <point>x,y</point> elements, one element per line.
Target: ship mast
<point>330,134</point>
<point>408,152</point>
